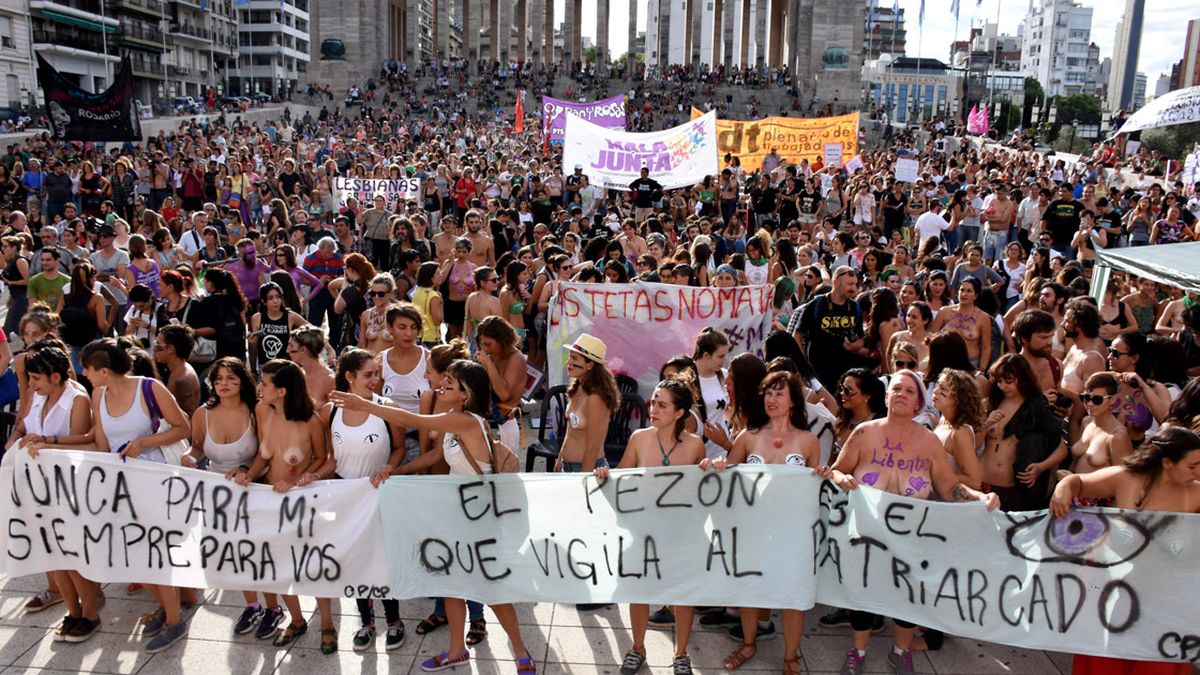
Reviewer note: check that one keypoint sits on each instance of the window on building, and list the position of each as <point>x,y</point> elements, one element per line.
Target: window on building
<point>6,32</point>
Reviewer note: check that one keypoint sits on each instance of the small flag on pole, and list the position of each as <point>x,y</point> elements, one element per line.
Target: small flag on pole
<point>921,14</point>
<point>519,123</point>
<point>870,15</point>
<point>954,8</point>
<point>896,16</point>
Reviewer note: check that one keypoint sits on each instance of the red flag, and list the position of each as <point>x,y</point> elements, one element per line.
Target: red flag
<point>519,124</point>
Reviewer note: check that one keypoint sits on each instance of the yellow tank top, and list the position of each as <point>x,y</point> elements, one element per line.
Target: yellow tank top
<point>422,297</point>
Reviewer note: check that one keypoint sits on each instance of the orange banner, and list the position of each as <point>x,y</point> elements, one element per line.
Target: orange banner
<point>794,138</point>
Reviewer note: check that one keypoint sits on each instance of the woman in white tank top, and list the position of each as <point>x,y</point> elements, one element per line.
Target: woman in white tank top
<point>131,434</point>
<point>403,365</point>
<point>60,414</point>
<point>365,445</point>
<point>466,447</point>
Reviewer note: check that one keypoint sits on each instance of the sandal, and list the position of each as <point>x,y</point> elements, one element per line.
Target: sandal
<point>477,632</point>
<point>525,664</point>
<point>791,666</point>
<point>443,661</point>
<point>430,624</point>
<point>739,656</point>
<point>289,634</point>
<point>328,640</point>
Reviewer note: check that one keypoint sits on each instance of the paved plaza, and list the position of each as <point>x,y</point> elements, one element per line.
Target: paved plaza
<point>562,639</point>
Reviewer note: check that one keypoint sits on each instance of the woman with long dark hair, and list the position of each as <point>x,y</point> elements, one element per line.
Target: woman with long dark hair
<point>85,314</point>
<point>592,398</point>
<point>271,326</point>
<point>222,313</point>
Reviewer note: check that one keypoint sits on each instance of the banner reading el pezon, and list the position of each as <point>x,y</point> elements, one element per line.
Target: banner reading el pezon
<point>794,138</point>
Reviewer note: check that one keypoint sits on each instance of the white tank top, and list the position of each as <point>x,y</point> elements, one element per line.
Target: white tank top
<point>361,450</point>
<point>224,457</point>
<point>757,275</point>
<point>58,418</point>
<point>135,423</point>
<point>456,458</point>
<point>404,389</point>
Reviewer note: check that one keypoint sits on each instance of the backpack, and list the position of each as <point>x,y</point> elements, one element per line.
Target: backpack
<point>504,460</point>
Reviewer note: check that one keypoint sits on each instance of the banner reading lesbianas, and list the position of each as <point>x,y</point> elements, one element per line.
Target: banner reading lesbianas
<point>794,138</point>
<point>394,191</point>
<point>78,115</point>
<point>677,157</point>
<point>644,324</point>
<point>608,113</point>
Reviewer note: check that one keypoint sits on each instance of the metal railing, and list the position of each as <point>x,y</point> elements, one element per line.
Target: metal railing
<point>141,32</point>
<point>84,41</point>
<point>147,68</point>
<point>190,30</point>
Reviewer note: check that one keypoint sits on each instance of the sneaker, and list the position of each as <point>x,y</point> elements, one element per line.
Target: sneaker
<point>761,634</point>
<point>156,623</point>
<point>83,629</point>
<point>60,633</point>
<point>47,598</point>
<point>722,621</point>
<point>394,637</point>
<point>169,636</point>
<point>363,637</point>
<point>133,589</point>
<point>838,617</point>
<point>682,665</point>
<point>634,660</point>
<point>902,662</point>
<point>269,624</point>
<point>854,663</point>
<point>249,620</point>
<point>662,619</point>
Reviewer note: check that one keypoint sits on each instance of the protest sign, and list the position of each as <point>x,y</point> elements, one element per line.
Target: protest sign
<point>1176,107</point>
<point>394,190</point>
<point>854,164</point>
<point>1103,582</point>
<point>643,324</point>
<point>794,138</point>
<point>117,521</point>
<point>608,113</point>
<point>645,534</point>
<point>677,157</point>
<point>907,170</point>
<point>833,154</point>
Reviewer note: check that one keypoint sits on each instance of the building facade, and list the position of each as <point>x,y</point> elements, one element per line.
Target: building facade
<point>913,89</point>
<point>1056,35</point>
<point>884,32</point>
<point>1126,46</point>
<point>1189,67</point>
<point>274,49</point>
<point>20,80</point>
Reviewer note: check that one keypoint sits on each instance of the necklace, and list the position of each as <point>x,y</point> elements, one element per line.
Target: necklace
<point>666,454</point>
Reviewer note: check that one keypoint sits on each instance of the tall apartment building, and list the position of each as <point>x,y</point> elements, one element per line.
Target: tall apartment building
<point>273,42</point>
<point>205,46</point>
<point>1056,38</point>
<point>1189,67</point>
<point>1126,46</point>
<point>883,35</point>
<point>144,37</point>
<point>20,80</point>
<point>77,37</point>
<point>1139,91</point>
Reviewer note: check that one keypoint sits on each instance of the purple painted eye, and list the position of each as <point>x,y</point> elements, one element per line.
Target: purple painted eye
<point>1077,533</point>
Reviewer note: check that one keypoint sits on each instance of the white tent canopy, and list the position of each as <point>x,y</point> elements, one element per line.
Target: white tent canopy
<point>1174,264</point>
<point>1177,107</point>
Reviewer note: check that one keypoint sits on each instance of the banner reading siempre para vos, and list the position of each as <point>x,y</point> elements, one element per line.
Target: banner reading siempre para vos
<point>677,157</point>
<point>643,324</point>
<point>608,113</point>
<point>794,138</point>
<point>394,190</point>
<point>1107,582</point>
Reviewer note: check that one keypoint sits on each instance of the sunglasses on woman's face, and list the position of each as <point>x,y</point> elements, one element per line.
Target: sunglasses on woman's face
<point>1094,400</point>
<point>901,364</point>
<point>379,294</point>
<point>846,392</point>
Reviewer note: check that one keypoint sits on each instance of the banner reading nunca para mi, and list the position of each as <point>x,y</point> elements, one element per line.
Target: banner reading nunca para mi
<point>78,115</point>
<point>794,138</point>
<point>677,157</point>
<point>394,190</point>
<point>643,324</point>
<point>608,113</point>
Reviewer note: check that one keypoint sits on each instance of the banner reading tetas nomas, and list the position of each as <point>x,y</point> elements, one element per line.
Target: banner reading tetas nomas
<point>643,324</point>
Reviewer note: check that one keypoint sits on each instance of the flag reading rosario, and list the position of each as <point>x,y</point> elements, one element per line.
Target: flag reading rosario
<point>645,324</point>
<point>677,157</point>
<point>1099,581</point>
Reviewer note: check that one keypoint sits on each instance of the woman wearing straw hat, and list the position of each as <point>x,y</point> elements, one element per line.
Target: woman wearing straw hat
<point>592,399</point>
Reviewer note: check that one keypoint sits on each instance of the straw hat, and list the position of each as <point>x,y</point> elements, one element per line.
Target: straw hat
<point>590,347</point>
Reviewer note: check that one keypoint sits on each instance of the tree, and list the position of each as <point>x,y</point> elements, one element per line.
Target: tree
<point>590,54</point>
<point>1033,89</point>
<point>1082,107</point>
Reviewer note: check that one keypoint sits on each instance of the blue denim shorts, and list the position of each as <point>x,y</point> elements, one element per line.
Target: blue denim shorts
<point>577,467</point>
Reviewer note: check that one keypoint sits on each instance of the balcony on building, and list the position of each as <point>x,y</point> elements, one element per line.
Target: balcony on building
<point>190,32</point>
<point>147,68</point>
<point>147,8</point>
<point>142,36</point>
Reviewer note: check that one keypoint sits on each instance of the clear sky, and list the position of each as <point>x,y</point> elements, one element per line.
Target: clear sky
<point>1162,37</point>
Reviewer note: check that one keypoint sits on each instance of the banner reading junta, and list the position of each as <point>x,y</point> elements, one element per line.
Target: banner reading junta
<point>793,138</point>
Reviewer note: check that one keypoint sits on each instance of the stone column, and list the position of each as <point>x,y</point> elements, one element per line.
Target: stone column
<point>537,32</point>
<point>778,24</point>
<point>602,55</point>
<point>744,30</point>
<point>631,57</point>
<point>492,11</point>
<point>572,41</point>
<point>760,32</point>
<point>412,27</point>
<point>521,50</point>
<point>548,54</point>
<point>502,29</point>
<point>728,30</point>
<point>695,14</point>
<point>441,29</point>
<point>472,17</point>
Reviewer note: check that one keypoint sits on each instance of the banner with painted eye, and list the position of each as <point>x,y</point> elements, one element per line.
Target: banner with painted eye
<point>1098,581</point>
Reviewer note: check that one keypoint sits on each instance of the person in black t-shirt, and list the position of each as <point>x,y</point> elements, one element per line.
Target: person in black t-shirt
<point>831,329</point>
<point>895,205</point>
<point>646,191</point>
<point>1061,218</point>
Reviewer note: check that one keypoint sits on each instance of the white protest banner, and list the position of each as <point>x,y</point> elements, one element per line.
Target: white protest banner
<point>854,164</point>
<point>643,324</point>
<point>1175,107</point>
<point>1131,147</point>
<point>833,154</point>
<point>1104,582</point>
<point>698,538</point>
<point>612,158</point>
<point>394,190</point>
<point>117,521</point>
<point>907,170</point>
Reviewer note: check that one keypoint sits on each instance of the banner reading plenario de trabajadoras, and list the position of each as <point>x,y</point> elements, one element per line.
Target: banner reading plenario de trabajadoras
<point>608,113</point>
<point>611,158</point>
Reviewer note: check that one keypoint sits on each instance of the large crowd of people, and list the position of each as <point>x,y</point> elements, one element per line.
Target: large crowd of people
<point>205,298</point>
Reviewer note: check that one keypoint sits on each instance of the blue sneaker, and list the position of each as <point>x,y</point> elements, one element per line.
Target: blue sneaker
<point>168,636</point>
